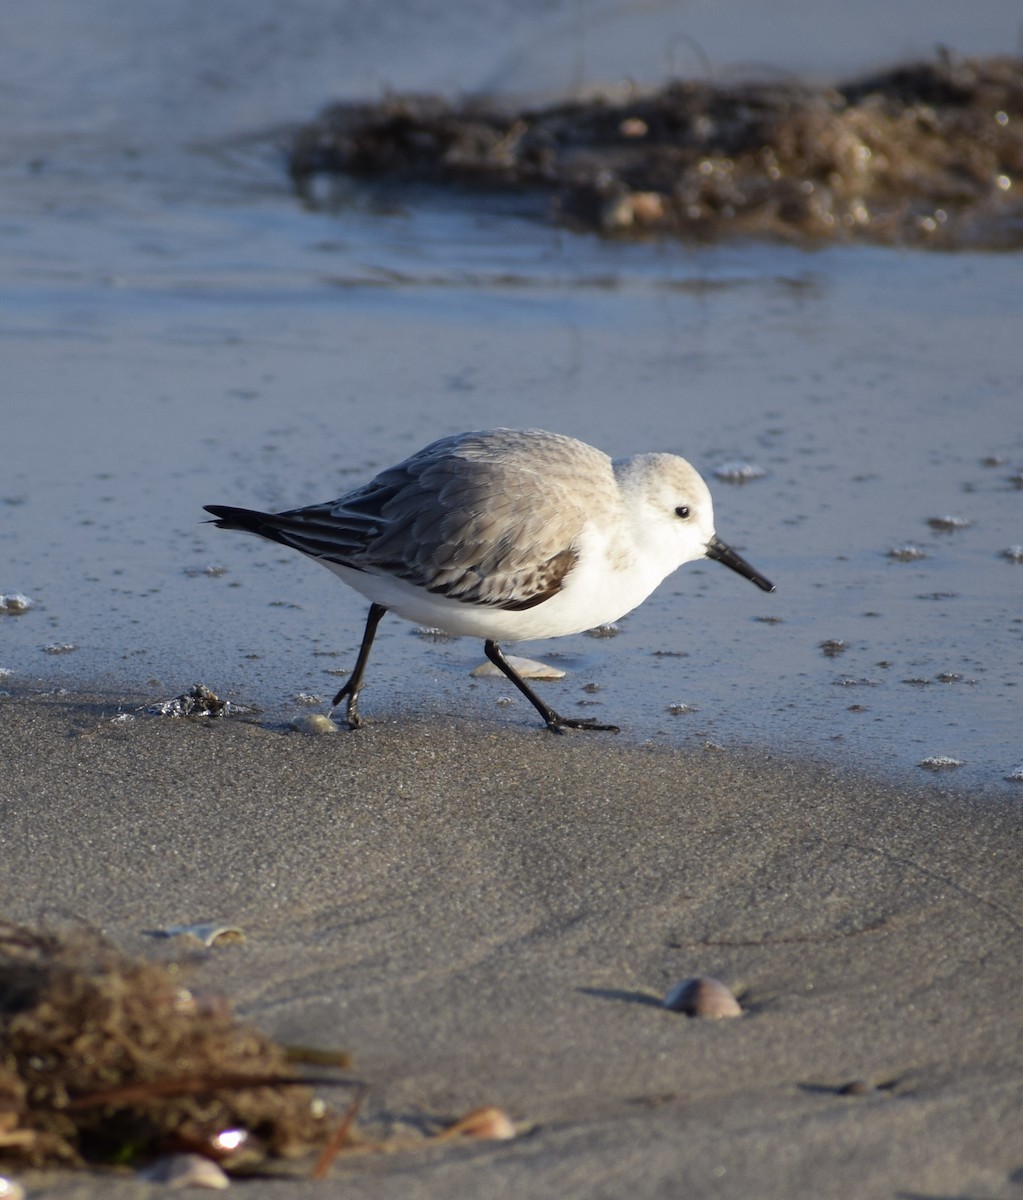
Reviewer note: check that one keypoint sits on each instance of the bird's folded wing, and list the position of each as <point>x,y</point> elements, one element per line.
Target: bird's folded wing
<point>478,533</point>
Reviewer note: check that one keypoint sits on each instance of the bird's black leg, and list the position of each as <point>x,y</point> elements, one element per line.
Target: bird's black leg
<point>354,684</point>
<point>555,722</point>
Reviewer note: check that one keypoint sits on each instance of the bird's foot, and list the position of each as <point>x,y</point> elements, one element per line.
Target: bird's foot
<point>559,724</point>
<point>351,717</point>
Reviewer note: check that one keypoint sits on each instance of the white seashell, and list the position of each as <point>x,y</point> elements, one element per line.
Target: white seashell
<point>11,1189</point>
<point>702,996</point>
<point>314,723</point>
<point>206,932</point>
<point>185,1170</point>
<point>528,668</point>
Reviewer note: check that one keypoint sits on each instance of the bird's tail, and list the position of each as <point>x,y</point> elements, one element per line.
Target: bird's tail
<point>248,520</point>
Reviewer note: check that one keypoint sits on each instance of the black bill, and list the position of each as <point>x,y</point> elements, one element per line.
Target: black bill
<point>717,549</point>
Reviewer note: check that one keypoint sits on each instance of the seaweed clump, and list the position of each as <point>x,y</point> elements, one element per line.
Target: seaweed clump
<point>926,154</point>
<point>104,1058</point>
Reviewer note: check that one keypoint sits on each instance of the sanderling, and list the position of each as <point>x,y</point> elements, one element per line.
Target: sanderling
<point>506,535</point>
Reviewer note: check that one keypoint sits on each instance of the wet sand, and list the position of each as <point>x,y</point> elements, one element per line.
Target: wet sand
<point>485,914</point>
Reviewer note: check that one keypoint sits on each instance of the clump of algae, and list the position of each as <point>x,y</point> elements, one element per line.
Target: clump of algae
<point>106,1058</point>
<point>926,154</point>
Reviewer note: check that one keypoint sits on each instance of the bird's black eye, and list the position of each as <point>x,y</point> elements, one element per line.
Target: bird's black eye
<point>682,511</point>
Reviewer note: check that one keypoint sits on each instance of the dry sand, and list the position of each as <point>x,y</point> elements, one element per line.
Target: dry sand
<point>485,914</point>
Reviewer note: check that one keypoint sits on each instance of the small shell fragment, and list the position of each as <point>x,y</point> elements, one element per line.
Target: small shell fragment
<point>11,1189</point>
<point>739,472</point>
<point>907,553</point>
<point>633,208</point>
<point>15,602</point>
<point>702,996</point>
<point>528,668</point>
<point>198,701</point>
<point>213,571</point>
<point>633,127</point>
<point>857,1087</point>
<point>948,522</point>
<point>432,634</point>
<point>314,723</point>
<point>1013,554</point>
<point>940,762</point>
<point>488,1123</point>
<point>230,1144</point>
<point>184,1171</point>
<point>206,932</point>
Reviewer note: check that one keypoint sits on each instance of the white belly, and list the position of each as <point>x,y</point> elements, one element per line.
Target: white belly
<point>595,592</point>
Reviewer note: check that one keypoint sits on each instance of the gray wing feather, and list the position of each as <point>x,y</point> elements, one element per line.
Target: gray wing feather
<point>481,521</point>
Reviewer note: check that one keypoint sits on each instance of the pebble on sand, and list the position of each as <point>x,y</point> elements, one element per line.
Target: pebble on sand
<point>702,996</point>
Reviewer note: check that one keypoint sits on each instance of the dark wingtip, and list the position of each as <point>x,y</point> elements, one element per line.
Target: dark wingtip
<point>219,511</point>
<point>228,517</point>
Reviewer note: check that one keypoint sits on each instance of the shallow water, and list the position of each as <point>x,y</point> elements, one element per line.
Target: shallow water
<point>176,331</point>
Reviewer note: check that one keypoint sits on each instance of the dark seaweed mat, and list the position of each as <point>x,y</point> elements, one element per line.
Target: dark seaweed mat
<point>927,154</point>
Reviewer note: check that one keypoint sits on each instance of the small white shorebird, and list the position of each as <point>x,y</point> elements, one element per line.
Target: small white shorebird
<point>506,535</point>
